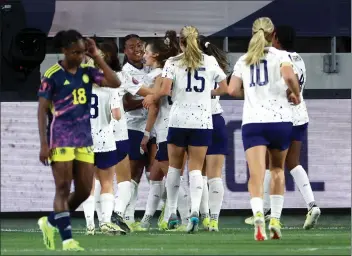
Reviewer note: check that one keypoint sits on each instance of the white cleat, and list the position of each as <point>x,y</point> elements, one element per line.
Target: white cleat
<point>90,231</point>
<point>312,218</point>
<point>259,227</point>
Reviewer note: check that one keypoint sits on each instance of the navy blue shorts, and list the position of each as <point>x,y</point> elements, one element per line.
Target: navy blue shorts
<point>152,140</point>
<point>298,132</point>
<point>161,154</point>
<point>272,135</point>
<point>184,137</point>
<point>122,149</point>
<point>219,141</point>
<point>135,139</point>
<point>104,160</point>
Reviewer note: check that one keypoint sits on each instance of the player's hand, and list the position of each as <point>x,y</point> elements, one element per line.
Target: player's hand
<point>92,49</point>
<point>44,154</point>
<point>148,100</point>
<point>294,99</point>
<point>144,143</point>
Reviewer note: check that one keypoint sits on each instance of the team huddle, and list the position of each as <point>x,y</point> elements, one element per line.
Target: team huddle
<point>161,112</point>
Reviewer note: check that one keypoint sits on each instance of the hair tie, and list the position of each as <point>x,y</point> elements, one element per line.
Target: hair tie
<point>206,44</point>
<point>167,41</point>
<point>261,29</point>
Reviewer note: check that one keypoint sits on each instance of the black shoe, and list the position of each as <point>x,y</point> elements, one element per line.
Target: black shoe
<point>118,220</point>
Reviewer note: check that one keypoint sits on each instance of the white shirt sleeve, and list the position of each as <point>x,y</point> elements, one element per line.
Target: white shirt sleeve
<point>115,99</point>
<point>237,70</point>
<point>169,70</point>
<point>130,84</point>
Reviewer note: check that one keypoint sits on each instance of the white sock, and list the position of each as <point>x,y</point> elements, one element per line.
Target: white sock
<point>182,203</point>
<point>162,200</point>
<point>257,205</point>
<point>216,195</point>
<point>266,195</point>
<point>204,203</point>
<point>172,189</point>
<point>277,203</point>
<point>97,190</point>
<point>153,200</point>
<point>88,208</point>
<point>129,213</point>
<point>123,198</point>
<point>302,181</point>
<point>196,189</point>
<point>107,205</point>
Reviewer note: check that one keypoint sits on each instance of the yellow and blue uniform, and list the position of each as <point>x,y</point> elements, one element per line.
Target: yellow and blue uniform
<point>70,131</point>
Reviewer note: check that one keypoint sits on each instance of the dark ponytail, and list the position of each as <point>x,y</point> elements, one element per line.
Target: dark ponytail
<point>64,39</point>
<point>165,48</point>
<point>210,49</point>
<point>171,37</point>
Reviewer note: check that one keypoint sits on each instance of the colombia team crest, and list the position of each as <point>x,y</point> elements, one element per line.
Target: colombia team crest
<point>85,78</point>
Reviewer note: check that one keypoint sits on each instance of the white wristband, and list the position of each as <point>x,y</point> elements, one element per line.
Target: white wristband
<point>146,133</point>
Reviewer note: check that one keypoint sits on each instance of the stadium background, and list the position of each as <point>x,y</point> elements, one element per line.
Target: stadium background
<point>27,186</point>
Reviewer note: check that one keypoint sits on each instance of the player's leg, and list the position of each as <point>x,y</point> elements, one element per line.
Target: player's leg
<point>106,177</point>
<point>266,194</point>
<point>300,175</point>
<point>124,185</point>
<point>255,146</point>
<point>155,193</point>
<point>137,164</point>
<point>183,205</point>
<point>214,165</point>
<point>204,203</point>
<point>198,142</point>
<point>88,209</point>
<point>62,169</point>
<point>279,136</point>
<point>277,165</point>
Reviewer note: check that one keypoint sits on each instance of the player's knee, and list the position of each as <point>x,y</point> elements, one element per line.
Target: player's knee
<point>63,189</point>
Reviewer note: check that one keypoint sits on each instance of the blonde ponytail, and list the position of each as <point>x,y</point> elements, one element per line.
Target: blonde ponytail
<point>262,30</point>
<point>192,55</point>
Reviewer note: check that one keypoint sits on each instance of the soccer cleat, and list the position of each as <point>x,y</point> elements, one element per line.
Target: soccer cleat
<point>90,231</point>
<point>72,246</point>
<point>206,223</point>
<point>173,222</point>
<point>145,225</point>
<point>312,218</point>
<point>250,220</point>
<point>275,228</point>
<point>118,220</point>
<point>48,233</point>
<point>259,227</point>
<point>111,229</point>
<point>214,225</point>
<point>136,227</point>
<point>163,226</point>
<point>193,223</point>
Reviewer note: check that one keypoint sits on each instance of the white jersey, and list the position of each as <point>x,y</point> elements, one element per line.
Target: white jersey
<point>162,121</point>
<point>191,92</point>
<point>102,102</point>
<point>265,98</point>
<point>127,85</point>
<point>136,119</point>
<point>299,112</point>
<point>215,103</point>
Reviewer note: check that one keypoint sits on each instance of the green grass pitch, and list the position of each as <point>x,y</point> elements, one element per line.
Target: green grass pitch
<point>331,237</point>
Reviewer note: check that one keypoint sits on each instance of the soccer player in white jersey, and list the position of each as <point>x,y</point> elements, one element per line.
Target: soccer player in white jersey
<point>104,107</point>
<point>157,52</point>
<point>136,120</point>
<point>192,75</point>
<point>215,158</point>
<point>263,75</point>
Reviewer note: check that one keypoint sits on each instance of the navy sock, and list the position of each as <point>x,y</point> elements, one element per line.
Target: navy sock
<point>51,219</point>
<point>63,223</point>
